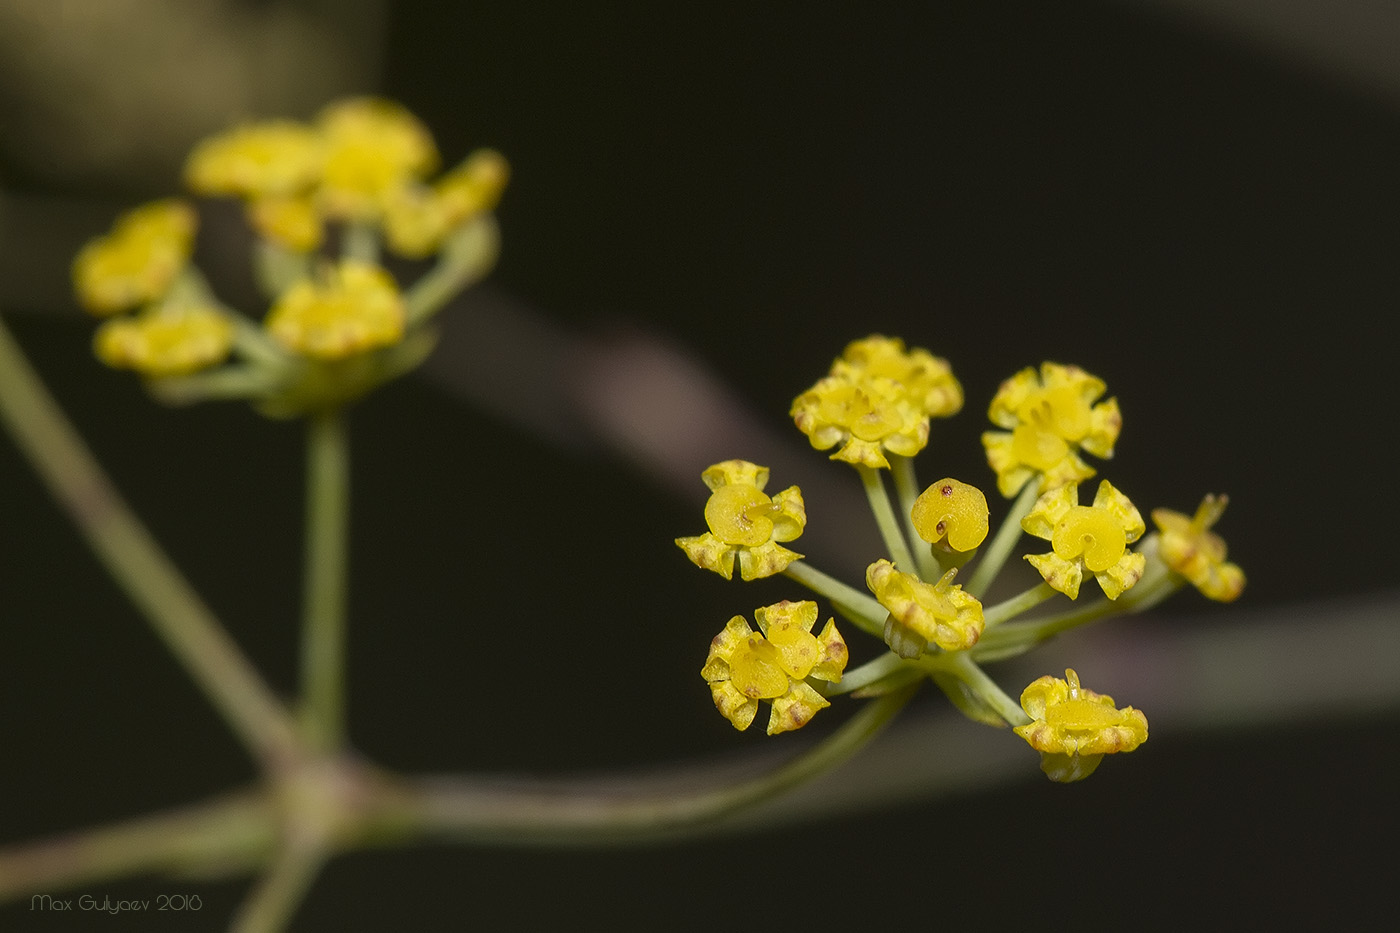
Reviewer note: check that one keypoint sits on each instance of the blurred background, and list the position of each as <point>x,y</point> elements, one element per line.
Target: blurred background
<point>1195,200</point>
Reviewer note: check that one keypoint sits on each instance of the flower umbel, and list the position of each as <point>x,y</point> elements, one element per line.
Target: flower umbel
<point>1190,548</point>
<point>1093,538</point>
<point>1073,728</point>
<point>745,523</point>
<point>920,613</point>
<point>773,664</point>
<point>1049,419</point>
<point>878,398</point>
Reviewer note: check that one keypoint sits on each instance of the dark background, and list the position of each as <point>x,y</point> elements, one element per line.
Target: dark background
<point>1210,228</point>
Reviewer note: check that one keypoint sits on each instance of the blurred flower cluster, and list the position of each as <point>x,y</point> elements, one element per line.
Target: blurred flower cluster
<point>324,199</point>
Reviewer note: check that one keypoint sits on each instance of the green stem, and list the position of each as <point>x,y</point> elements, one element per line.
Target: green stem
<point>863,610</point>
<point>884,517</point>
<point>360,242</point>
<point>1010,608</point>
<point>544,816</point>
<point>227,382</point>
<point>465,259</point>
<point>324,595</point>
<point>274,900</point>
<point>961,665</point>
<point>993,557</point>
<point>867,674</point>
<point>1013,638</point>
<point>137,563</point>
<point>906,485</point>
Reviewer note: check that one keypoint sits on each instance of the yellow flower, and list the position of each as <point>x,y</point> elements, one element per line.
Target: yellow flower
<point>941,613</point>
<point>276,158</point>
<point>952,511</point>
<point>1093,537</point>
<point>744,667</point>
<point>877,398</point>
<point>865,418</point>
<point>746,523</point>
<point>417,217</point>
<point>1192,550</point>
<point>352,308</point>
<point>1050,418</point>
<point>165,341</point>
<point>292,222</point>
<point>927,380</point>
<point>1073,728</point>
<point>373,148</point>
<point>138,260</point>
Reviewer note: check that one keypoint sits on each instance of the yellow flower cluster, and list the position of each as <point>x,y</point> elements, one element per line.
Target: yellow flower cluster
<point>1087,537</point>
<point>746,524</point>
<point>1073,728</point>
<point>877,399</point>
<point>1049,419</point>
<point>773,665</point>
<point>360,168</point>
<point>140,264</point>
<point>1190,548</point>
<point>363,160</point>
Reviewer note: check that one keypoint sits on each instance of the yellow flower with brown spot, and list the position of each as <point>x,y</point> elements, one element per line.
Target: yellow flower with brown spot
<point>345,310</point>
<point>773,665</point>
<point>951,514</point>
<point>1190,548</point>
<point>745,523</point>
<point>161,341</point>
<point>940,613</point>
<point>136,262</point>
<point>1073,728</point>
<point>1050,418</point>
<point>1087,537</point>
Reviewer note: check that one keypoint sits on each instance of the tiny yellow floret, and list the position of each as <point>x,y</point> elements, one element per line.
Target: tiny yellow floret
<point>417,218</point>
<point>347,309</point>
<point>951,512</point>
<point>276,158</point>
<point>374,147</point>
<point>877,399</point>
<point>138,260</point>
<point>940,613</point>
<point>1073,728</point>
<point>291,222</point>
<point>1050,418</point>
<point>926,380</point>
<point>1190,548</point>
<point>745,523</point>
<point>165,341</point>
<point>1093,538</point>
<point>773,664</point>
